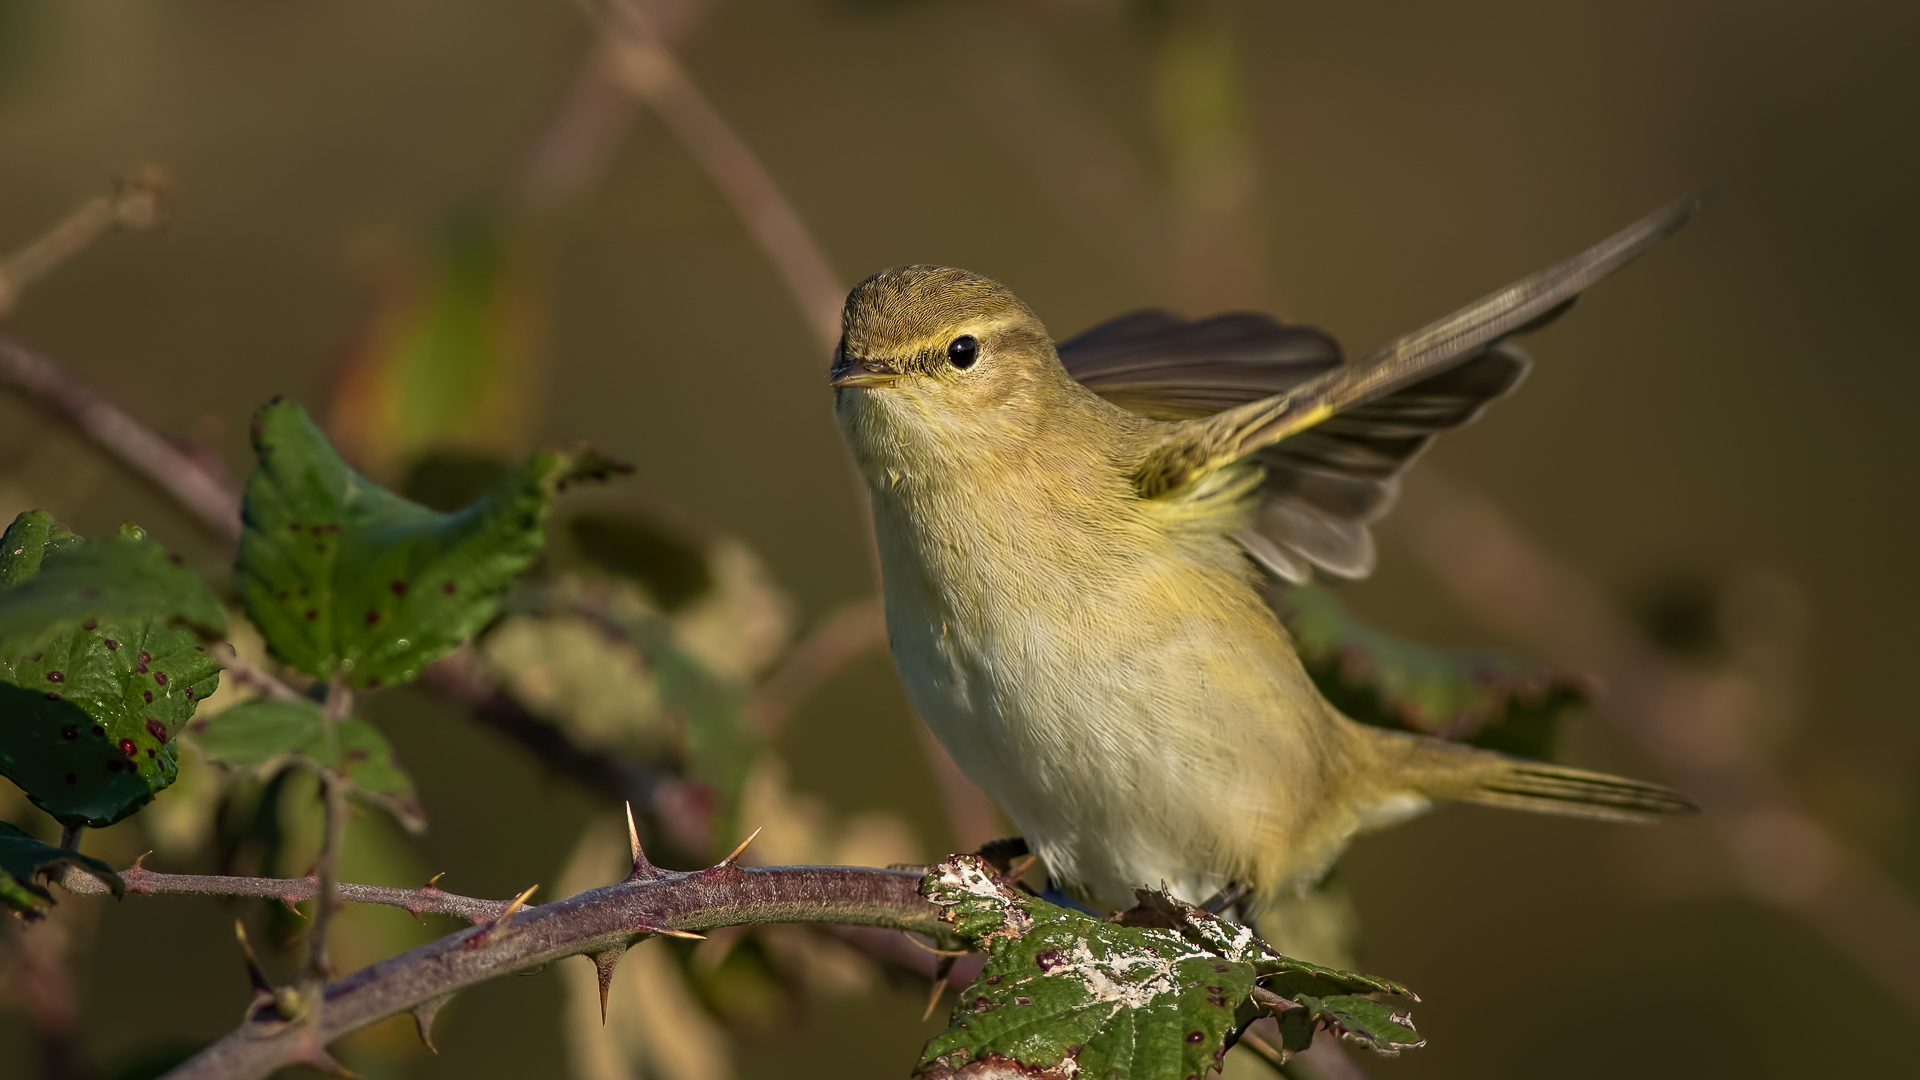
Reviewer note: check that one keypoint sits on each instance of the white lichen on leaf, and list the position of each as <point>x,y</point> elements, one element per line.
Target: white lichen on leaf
<point>1153,993</point>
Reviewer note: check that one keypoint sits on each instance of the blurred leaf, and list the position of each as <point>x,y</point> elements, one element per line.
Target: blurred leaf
<point>256,732</point>
<point>22,860</point>
<point>710,707</point>
<point>671,569</point>
<point>447,359</point>
<point>346,578</point>
<point>1151,996</point>
<point>447,480</point>
<point>1486,699</point>
<point>95,677</point>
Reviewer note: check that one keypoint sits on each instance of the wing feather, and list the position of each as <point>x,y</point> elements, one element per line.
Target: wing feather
<point>1327,480</point>
<point>1217,441</point>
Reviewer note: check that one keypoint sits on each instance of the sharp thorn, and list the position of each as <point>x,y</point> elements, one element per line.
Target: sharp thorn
<point>316,1056</point>
<point>728,861</point>
<point>518,901</point>
<point>603,965</point>
<point>642,869</point>
<point>255,976</point>
<point>423,1015</point>
<point>941,969</point>
<point>668,931</point>
<point>140,863</point>
<point>434,881</point>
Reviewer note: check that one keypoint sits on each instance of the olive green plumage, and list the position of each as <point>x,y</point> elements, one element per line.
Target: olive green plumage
<point>1070,595</point>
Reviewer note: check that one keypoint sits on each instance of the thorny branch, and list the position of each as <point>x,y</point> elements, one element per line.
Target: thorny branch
<point>600,923</point>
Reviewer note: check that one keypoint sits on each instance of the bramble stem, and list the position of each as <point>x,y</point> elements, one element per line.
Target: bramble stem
<point>137,448</point>
<point>588,923</point>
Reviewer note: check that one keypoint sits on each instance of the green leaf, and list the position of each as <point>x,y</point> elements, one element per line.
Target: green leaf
<point>23,859</point>
<point>346,578</point>
<point>263,730</point>
<point>1151,995</point>
<point>255,732</point>
<point>1370,1023</point>
<point>1487,699</point>
<point>98,667</point>
<point>52,580</point>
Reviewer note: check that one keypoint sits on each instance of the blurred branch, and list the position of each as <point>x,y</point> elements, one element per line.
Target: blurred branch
<point>131,443</point>
<point>577,144</point>
<point>141,199</point>
<point>601,923</point>
<point>39,979</point>
<point>642,62</point>
<point>1697,726</point>
<point>1073,154</point>
<point>426,900</point>
<point>245,674</point>
<point>836,641</point>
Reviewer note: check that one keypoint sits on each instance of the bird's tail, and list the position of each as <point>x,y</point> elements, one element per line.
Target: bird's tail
<point>1441,770</point>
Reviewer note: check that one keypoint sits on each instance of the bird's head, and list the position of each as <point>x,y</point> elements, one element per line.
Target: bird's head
<point>939,367</point>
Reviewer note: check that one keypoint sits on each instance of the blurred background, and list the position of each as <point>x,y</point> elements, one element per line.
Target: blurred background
<point>457,231</point>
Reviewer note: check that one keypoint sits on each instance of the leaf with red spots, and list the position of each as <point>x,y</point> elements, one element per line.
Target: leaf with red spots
<point>344,577</point>
<point>90,702</point>
<point>1066,994</point>
<point>25,859</point>
<point>265,730</point>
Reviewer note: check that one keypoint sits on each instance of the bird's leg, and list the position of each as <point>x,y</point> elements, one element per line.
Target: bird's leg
<point>1001,853</point>
<point>1225,898</point>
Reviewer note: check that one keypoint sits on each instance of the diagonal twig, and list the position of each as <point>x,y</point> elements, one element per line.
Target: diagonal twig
<point>130,442</point>
<point>643,64</point>
<point>1694,724</point>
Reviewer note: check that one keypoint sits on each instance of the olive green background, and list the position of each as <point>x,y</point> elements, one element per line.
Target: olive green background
<point>1740,399</point>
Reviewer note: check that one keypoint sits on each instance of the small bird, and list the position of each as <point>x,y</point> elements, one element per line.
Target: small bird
<point>1075,539</point>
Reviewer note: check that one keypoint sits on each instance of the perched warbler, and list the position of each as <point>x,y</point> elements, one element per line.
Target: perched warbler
<point>1074,538</point>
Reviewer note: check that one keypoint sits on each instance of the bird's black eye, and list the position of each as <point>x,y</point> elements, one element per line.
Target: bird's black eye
<point>963,351</point>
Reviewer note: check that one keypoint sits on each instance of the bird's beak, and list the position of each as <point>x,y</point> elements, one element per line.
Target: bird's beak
<point>865,373</point>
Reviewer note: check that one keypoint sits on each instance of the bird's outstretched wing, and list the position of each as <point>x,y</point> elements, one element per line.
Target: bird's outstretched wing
<point>1333,437</point>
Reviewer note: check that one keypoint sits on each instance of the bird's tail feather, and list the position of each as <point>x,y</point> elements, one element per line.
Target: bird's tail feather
<point>1443,770</point>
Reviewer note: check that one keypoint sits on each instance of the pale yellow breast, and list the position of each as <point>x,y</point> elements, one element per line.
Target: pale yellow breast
<point>1119,689</point>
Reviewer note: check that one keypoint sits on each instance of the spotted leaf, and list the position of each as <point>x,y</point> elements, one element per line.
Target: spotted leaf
<point>100,666</point>
<point>24,859</point>
<point>343,577</point>
<point>1148,996</point>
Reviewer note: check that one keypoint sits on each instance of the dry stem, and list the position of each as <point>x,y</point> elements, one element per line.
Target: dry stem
<point>426,900</point>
